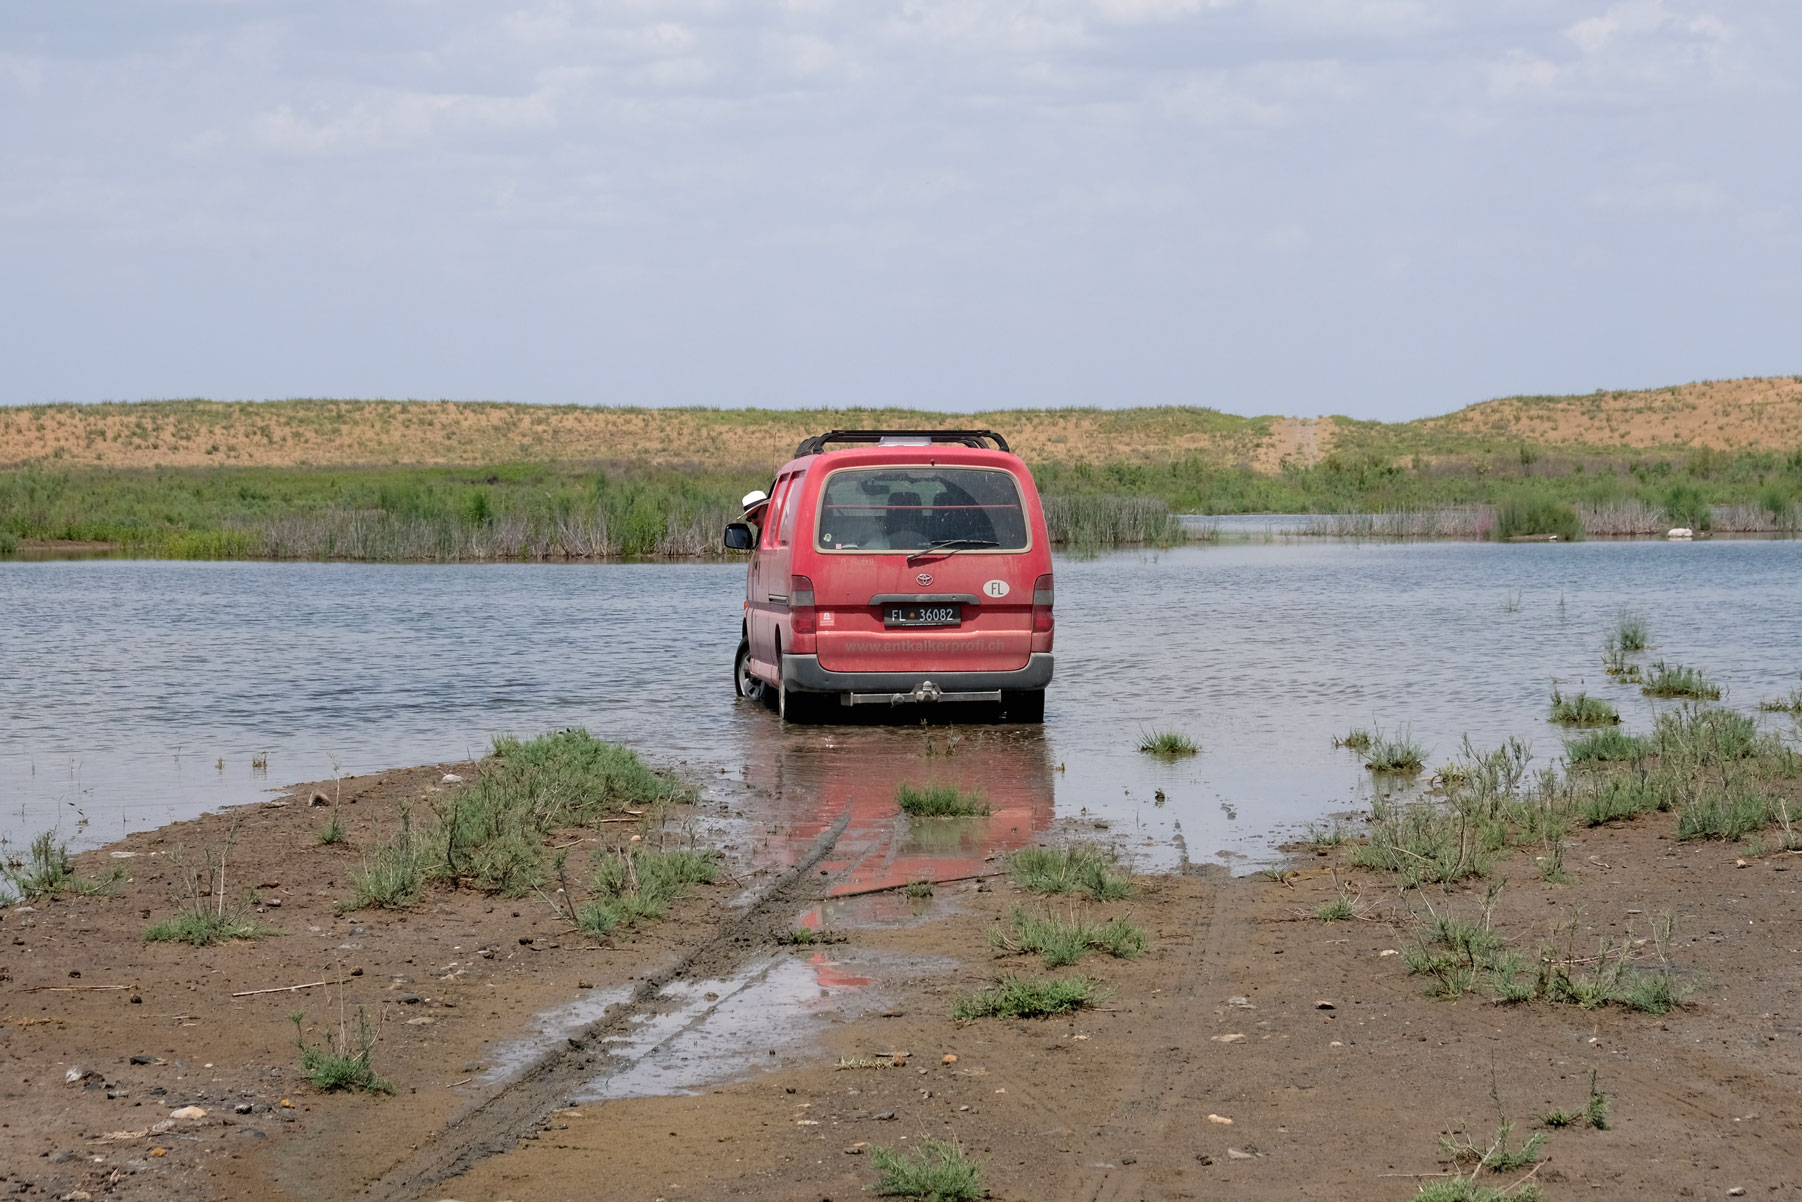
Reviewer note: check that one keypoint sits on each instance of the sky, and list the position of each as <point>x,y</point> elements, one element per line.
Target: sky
<point>1382,208</point>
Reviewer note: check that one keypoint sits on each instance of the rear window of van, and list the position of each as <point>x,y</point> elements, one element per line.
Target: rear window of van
<point>903,508</point>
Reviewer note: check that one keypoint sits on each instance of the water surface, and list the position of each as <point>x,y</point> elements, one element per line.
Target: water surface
<point>133,693</point>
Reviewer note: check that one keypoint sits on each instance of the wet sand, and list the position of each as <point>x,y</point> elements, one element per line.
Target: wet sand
<point>1338,1074</point>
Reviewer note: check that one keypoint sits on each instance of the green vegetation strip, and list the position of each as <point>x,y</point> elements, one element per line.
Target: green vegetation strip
<point>490,834</point>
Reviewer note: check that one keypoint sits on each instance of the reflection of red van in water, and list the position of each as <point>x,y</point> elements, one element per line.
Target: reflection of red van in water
<point>897,566</point>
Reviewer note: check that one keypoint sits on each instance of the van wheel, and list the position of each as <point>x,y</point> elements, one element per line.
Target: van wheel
<point>747,685</point>
<point>1024,707</point>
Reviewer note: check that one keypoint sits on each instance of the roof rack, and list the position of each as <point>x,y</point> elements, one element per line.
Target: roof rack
<point>968,438</point>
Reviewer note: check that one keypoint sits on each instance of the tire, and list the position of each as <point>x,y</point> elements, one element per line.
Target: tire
<point>1027,707</point>
<point>744,684</point>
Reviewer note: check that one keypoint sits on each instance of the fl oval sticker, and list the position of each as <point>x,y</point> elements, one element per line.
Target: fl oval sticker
<point>995,588</point>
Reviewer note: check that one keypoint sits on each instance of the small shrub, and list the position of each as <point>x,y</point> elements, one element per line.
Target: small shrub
<point>934,1170</point>
<point>1684,505</point>
<point>1675,680</point>
<point>47,870</point>
<point>1358,739</point>
<point>1631,632</point>
<point>342,1062</point>
<point>1024,997</point>
<point>919,890</point>
<point>939,801</point>
<point>1167,743</point>
<point>1083,868</point>
<point>332,833</point>
<point>1582,710</point>
<point>1727,812</point>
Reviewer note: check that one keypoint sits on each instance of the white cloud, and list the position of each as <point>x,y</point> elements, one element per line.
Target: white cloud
<point>722,173</point>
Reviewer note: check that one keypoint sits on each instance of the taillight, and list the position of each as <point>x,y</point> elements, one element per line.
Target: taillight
<point>800,605</point>
<point>1042,597</point>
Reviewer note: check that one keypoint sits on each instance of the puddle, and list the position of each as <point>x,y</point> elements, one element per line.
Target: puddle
<point>764,1017</point>
<point>892,910</point>
<point>802,785</point>
<point>548,1029</point>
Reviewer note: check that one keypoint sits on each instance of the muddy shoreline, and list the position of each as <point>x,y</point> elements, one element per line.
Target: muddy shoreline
<point>1339,1074</point>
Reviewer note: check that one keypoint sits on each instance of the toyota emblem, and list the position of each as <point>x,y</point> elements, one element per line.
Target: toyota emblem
<point>924,579</point>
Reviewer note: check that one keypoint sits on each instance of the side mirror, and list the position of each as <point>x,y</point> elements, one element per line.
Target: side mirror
<point>739,536</point>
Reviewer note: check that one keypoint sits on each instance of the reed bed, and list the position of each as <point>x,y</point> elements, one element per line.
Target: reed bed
<point>1090,522</point>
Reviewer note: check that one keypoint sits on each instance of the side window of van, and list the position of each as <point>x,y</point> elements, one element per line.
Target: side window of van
<point>787,531</point>
<point>778,499</point>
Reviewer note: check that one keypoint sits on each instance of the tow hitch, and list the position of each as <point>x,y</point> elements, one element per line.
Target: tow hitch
<point>923,692</point>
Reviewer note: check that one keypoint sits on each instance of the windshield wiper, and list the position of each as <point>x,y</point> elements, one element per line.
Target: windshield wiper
<point>951,546</point>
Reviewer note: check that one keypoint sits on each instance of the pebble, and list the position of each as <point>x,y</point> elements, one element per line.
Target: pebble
<point>187,1112</point>
<point>884,1117</point>
<point>75,1074</point>
<point>1235,1154</point>
<point>450,778</point>
<point>1737,1191</point>
<point>948,1058</point>
<point>1244,1003</point>
<point>1229,1038</point>
<point>1221,1119</point>
<point>143,1059</point>
<point>241,1108</point>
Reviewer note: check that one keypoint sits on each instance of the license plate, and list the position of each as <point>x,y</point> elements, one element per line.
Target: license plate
<point>923,615</point>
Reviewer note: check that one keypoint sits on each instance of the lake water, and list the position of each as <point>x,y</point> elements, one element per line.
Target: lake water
<point>134,693</point>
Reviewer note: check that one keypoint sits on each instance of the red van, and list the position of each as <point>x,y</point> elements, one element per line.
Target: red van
<point>893,567</point>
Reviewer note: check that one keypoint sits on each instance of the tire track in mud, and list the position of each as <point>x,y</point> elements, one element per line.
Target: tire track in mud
<point>522,1107</point>
<point>1146,1109</point>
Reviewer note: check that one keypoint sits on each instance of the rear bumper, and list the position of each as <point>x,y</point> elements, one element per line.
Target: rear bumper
<point>802,673</point>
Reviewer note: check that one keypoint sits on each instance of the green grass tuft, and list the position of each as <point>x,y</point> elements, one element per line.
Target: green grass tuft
<point>1167,743</point>
<point>1024,997</point>
<point>1357,739</point>
<point>1675,680</point>
<point>632,887</point>
<point>343,1061</point>
<point>933,1170</point>
<point>1064,941</point>
<point>1609,746</point>
<point>1582,710</point>
<point>1083,868</point>
<point>204,930</point>
<point>939,801</point>
<point>1394,754</point>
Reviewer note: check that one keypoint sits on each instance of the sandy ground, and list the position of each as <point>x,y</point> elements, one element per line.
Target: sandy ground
<point>1751,414</point>
<point>386,433</point>
<point>1338,1075</point>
